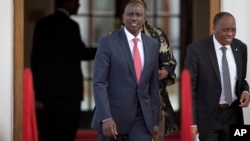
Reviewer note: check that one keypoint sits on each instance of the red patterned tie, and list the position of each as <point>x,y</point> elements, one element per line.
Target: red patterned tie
<point>137,60</point>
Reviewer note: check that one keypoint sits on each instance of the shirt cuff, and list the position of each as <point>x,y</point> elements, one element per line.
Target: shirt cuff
<point>105,120</point>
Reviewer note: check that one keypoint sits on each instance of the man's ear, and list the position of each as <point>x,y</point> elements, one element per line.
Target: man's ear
<point>122,18</point>
<point>146,17</point>
<point>214,27</point>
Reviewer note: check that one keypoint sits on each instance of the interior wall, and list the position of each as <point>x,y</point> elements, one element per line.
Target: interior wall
<point>34,10</point>
<point>6,73</point>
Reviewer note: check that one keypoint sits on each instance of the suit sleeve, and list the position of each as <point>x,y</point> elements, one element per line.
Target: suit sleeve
<point>79,50</point>
<point>154,92</point>
<point>100,81</point>
<point>244,83</point>
<point>36,57</point>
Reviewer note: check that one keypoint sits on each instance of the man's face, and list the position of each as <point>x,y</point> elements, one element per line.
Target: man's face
<point>73,6</point>
<point>225,30</point>
<point>134,17</point>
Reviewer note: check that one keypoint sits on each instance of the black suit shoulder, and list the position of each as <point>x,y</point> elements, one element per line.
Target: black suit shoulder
<point>239,43</point>
<point>145,36</point>
<point>57,20</point>
<point>201,43</point>
<point>200,47</point>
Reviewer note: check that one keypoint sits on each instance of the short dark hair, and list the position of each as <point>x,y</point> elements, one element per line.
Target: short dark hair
<point>59,2</point>
<point>219,15</point>
<point>142,2</point>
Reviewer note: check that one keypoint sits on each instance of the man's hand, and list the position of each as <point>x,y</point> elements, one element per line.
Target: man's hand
<point>109,128</point>
<point>244,99</point>
<point>155,134</point>
<point>194,131</point>
<point>162,74</point>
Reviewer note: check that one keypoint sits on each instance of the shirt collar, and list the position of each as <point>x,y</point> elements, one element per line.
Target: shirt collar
<point>63,10</point>
<point>131,36</point>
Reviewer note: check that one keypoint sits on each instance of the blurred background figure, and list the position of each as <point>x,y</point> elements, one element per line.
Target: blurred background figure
<point>58,82</point>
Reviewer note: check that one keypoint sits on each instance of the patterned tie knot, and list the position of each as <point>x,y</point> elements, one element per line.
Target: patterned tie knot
<point>224,49</point>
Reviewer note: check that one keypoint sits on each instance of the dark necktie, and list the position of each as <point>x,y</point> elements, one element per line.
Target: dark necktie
<point>226,77</point>
<point>137,60</point>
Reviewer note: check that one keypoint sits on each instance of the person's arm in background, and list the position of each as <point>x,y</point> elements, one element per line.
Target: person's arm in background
<point>79,50</point>
<point>166,57</point>
<point>167,76</point>
<point>167,62</point>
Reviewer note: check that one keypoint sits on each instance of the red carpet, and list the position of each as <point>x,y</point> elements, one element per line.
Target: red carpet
<point>90,135</point>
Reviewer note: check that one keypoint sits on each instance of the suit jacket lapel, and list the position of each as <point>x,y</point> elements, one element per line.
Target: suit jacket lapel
<point>146,50</point>
<point>236,58</point>
<point>126,51</point>
<point>213,57</point>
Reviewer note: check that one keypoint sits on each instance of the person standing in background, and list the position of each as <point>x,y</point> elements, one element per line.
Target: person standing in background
<point>167,77</point>
<point>126,94</point>
<point>55,63</point>
<point>167,63</point>
<point>218,67</point>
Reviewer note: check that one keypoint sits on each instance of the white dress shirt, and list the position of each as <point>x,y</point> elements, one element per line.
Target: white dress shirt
<point>232,69</point>
<point>130,38</point>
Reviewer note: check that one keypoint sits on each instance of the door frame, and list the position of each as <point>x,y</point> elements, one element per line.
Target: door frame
<point>18,58</point>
